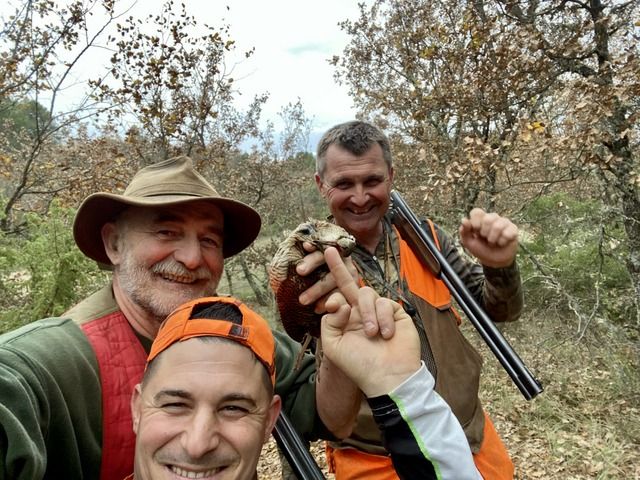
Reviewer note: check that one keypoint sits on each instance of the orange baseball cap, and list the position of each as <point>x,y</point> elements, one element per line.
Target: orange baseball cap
<point>253,332</point>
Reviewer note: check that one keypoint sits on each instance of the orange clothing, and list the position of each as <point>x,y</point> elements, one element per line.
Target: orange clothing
<point>458,366</point>
<point>492,461</point>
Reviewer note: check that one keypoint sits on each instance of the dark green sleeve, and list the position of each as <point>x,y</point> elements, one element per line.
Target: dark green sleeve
<point>297,387</point>
<point>50,403</point>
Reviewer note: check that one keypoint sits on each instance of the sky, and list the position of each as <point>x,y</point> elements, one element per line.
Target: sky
<point>293,42</point>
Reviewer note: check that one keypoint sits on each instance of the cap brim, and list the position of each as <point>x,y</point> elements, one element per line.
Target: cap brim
<point>241,222</point>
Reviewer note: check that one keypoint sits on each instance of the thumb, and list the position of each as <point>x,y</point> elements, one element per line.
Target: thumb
<point>333,324</point>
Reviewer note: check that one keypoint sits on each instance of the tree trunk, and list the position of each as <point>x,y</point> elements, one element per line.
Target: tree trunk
<point>261,296</point>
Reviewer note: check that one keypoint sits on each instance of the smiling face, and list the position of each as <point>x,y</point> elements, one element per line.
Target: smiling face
<point>204,411</point>
<point>357,189</point>
<point>164,257</point>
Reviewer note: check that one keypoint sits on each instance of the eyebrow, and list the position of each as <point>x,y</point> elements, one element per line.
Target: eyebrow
<point>239,396</point>
<point>187,396</point>
<point>166,216</point>
<point>173,393</point>
<point>373,176</point>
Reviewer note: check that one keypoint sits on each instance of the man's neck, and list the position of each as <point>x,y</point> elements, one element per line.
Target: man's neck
<point>139,319</point>
<point>370,242</point>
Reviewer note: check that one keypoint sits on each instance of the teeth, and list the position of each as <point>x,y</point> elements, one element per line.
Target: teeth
<point>177,278</point>
<point>189,474</point>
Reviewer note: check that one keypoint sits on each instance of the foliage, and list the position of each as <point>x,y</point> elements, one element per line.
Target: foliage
<point>42,273</point>
<point>528,107</point>
<point>574,256</point>
<point>168,72</point>
<point>23,116</point>
<point>41,49</point>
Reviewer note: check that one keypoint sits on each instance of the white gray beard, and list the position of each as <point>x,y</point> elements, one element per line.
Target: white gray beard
<point>136,282</point>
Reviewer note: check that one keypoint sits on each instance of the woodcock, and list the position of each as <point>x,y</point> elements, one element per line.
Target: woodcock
<point>299,320</point>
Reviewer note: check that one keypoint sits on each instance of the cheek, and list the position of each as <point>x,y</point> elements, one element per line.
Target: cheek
<point>215,262</point>
<point>149,252</point>
<point>154,433</point>
<point>246,437</point>
<point>381,193</point>
<point>336,198</point>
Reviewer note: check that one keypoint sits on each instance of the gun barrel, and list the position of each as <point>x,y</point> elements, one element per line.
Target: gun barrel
<point>528,385</point>
<point>292,446</point>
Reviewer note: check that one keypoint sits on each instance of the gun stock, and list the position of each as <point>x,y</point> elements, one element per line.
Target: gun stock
<point>417,237</point>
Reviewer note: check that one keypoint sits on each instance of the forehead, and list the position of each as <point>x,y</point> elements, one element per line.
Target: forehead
<point>200,211</point>
<point>341,163</point>
<point>208,369</point>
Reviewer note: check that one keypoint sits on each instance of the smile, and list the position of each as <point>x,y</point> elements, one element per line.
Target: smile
<point>360,211</point>
<point>178,278</point>
<point>181,472</point>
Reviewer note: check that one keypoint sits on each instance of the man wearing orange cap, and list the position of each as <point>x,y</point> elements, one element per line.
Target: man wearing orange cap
<point>65,383</point>
<point>206,403</point>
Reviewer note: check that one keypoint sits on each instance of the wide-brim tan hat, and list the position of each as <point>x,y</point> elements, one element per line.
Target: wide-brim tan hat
<point>171,182</point>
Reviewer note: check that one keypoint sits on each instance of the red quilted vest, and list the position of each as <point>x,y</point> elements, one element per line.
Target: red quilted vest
<point>121,359</point>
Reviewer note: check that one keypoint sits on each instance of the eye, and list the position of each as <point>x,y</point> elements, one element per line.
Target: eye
<point>212,241</point>
<point>165,232</point>
<point>374,182</point>
<point>343,185</point>
<point>173,406</point>
<point>234,411</point>
<point>307,229</point>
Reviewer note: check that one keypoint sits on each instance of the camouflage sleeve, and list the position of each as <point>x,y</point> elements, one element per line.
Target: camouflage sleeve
<point>499,290</point>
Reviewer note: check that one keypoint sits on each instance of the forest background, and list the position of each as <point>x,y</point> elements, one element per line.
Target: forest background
<point>530,108</point>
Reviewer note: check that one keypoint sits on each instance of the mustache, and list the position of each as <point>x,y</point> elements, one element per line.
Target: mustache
<point>172,268</point>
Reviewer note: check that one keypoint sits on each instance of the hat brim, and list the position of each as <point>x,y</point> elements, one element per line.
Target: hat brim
<point>241,222</point>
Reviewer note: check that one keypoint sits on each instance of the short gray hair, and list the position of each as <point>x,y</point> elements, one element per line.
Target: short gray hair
<point>356,137</point>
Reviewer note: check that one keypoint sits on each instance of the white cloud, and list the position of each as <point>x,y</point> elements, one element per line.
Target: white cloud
<point>293,42</point>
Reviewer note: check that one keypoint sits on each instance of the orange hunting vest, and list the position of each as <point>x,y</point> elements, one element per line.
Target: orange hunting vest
<point>457,382</point>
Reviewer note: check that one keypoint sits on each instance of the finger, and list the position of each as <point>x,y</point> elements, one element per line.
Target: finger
<point>309,247</point>
<point>310,262</point>
<point>343,279</point>
<point>496,229</point>
<point>336,320</point>
<point>476,217</point>
<point>333,301</point>
<point>509,234</point>
<point>318,290</point>
<point>369,315</point>
<point>385,310</point>
<point>488,222</point>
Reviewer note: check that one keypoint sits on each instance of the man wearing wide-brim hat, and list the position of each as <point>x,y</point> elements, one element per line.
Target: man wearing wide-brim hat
<point>65,383</point>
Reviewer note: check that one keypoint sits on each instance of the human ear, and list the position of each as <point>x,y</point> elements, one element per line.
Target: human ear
<point>272,416</point>
<point>110,240</point>
<point>319,183</point>
<point>136,399</point>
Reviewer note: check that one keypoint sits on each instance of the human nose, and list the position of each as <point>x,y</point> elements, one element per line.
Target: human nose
<point>189,252</point>
<point>359,195</point>
<point>201,436</point>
